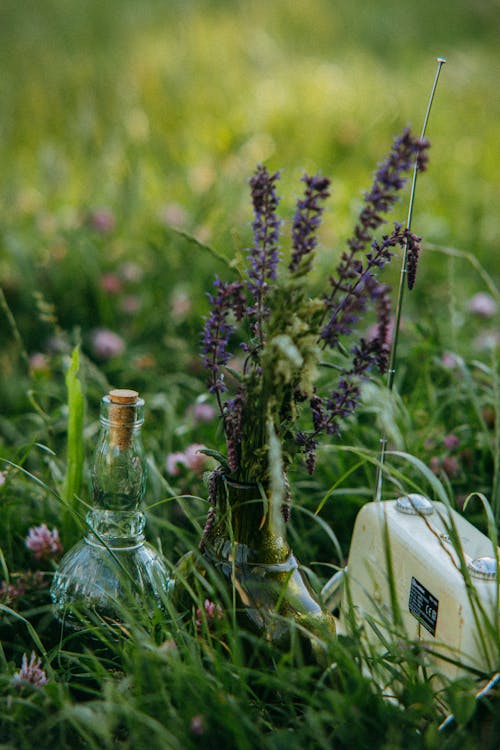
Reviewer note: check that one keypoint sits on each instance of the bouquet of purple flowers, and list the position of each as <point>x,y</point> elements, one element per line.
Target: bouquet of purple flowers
<point>275,407</point>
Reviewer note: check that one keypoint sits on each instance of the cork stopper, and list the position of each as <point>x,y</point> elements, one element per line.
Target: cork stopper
<point>122,416</point>
<point>123,396</point>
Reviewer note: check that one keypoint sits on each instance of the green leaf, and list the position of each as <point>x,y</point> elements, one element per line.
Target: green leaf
<point>75,452</point>
<point>217,455</point>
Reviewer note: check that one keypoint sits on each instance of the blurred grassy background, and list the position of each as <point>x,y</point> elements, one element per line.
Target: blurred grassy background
<point>146,114</point>
<point>133,105</point>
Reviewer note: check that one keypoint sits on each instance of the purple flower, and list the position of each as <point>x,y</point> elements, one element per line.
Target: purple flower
<point>482,304</point>
<point>131,272</point>
<point>111,283</point>
<point>264,255</point>
<point>306,222</point>
<point>130,304</point>
<point>39,363</point>
<point>451,442</point>
<point>451,467</point>
<point>210,612</point>
<point>191,458</point>
<point>357,286</point>
<point>449,360</point>
<point>106,344</point>
<point>198,725</point>
<point>217,330</point>
<point>413,249</point>
<point>10,592</point>
<point>389,179</point>
<point>288,328</point>
<point>202,412</point>
<point>44,544</point>
<point>30,673</point>
<point>102,220</point>
<point>487,340</point>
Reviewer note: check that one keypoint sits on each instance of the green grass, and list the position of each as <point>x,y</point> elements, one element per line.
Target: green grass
<point>158,113</point>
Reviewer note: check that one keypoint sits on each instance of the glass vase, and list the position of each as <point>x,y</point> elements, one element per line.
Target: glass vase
<point>247,548</point>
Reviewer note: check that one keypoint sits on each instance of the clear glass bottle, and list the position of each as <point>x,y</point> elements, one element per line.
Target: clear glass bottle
<point>113,572</point>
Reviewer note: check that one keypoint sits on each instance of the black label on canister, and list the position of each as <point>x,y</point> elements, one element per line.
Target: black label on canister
<point>423,605</point>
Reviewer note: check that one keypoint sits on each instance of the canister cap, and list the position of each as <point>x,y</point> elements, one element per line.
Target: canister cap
<point>484,568</point>
<point>414,505</point>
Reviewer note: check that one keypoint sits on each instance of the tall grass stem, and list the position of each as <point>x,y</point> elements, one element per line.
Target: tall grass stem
<point>399,305</point>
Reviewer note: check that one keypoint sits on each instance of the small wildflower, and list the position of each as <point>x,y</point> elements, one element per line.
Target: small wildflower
<point>111,283</point>
<point>43,543</point>
<point>211,612</point>
<point>195,460</point>
<point>102,220</point>
<point>435,465</point>
<point>449,360</point>
<point>30,673</point>
<point>487,341</point>
<point>451,467</point>
<point>180,305</point>
<point>130,304</point>
<point>174,215</point>
<point>198,725</point>
<point>106,344</point>
<point>3,477</point>
<point>451,442</point>
<point>482,304</point>
<point>20,584</point>
<point>10,592</point>
<point>174,461</point>
<point>39,363</point>
<point>191,458</point>
<point>449,464</point>
<point>131,272</point>
<point>202,412</point>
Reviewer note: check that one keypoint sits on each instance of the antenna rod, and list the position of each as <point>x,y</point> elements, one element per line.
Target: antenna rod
<point>397,321</point>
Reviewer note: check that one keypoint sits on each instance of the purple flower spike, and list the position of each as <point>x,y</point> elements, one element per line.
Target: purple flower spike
<point>413,245</point>
<point>307,220</point>
<point>217,331</point>
<point>264,255</point>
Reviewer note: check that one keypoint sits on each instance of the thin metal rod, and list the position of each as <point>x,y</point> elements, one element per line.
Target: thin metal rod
<point>402,283</point>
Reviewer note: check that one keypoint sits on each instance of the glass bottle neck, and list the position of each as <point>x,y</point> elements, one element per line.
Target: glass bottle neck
<point>119,468</point>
